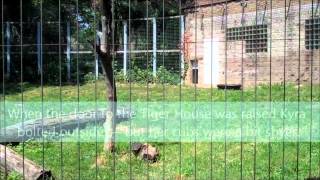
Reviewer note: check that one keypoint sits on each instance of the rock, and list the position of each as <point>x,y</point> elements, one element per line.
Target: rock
<point>145,151</point>
<point>136,147</point>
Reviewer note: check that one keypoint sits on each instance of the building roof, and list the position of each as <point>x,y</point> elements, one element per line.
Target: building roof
<point>205,3</point>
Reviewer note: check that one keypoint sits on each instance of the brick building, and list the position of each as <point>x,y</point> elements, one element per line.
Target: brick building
<point>254,41</point>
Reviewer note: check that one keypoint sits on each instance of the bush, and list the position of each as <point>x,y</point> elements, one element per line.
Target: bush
<point>91,77</point>
<point>138,75</point>
<point>120,77</point>
<point>166,77</point>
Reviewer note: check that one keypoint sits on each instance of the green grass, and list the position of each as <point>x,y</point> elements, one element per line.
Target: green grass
<point>177,160</point>
<point>91,92</point>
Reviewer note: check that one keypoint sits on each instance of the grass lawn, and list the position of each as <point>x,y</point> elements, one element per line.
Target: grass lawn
<point>187,160</point>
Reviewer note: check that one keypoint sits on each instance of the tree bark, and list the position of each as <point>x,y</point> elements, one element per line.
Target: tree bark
<point>104,51</point>
<point>11,161</point>
<point>34,128</point>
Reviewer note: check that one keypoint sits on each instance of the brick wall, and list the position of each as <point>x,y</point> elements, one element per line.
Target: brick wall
<point>209,24</point>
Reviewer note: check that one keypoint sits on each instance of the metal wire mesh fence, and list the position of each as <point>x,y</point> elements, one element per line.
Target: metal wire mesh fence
<point>196,89</point>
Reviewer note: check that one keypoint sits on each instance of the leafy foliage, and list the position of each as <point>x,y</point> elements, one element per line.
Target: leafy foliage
<point>84,22</point>
<point>142,76</point>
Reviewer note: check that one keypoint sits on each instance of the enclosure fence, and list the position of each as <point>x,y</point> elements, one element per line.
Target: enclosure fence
<point>203,89</point>
<point>171,48</point>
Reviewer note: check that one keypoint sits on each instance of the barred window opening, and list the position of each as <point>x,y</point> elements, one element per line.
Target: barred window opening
<point>312,33</point>
<point>256,37</point>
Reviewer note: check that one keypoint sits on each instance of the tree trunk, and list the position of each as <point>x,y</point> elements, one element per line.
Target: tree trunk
<point>11,161</point>
<point>110,124</point>
<point>105,50</point>
<point>34,128</point>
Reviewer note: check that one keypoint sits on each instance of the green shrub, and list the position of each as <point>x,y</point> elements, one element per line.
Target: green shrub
<point>120,77</point>
<point>166,77</point>
<point>138,75</point>
<point>91,77</point>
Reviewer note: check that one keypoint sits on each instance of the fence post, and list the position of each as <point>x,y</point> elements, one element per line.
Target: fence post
<point>182,45</point>
<point>39,52</point>
<point>8,53</point>
<point>68,52</point>
<point>97,40</point>
<point>97,67</point>
<point>125,47</point>
<point>154,47</point>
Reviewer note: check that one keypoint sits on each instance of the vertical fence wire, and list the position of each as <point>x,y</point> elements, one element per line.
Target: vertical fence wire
<point>211,92</point>
<point>3,90</point>
<point>311,89</point>
<point>21,86</point>
<point>148,76</point>
<point>114,100</point>
<point>299,82</point>
<point>284,150</point>
<point>225,89</point>
<point>195,86</point>
<point>2,79</point>
<point>270,94</point>
<point>284,88</point>
<point>78,88</point>
<point>4,102</point>
<point>183,46</point>
<point>1,99</point>
<point>130,89</point>
<point>41,83</point>
<point>318,3</point>
<point>242,83</point>
<point>60,93</point>
<point>255,95</point>
<point>163,93</point>
<point>95,41</point>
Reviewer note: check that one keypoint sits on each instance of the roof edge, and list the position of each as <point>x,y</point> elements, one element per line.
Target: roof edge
<point>208,4</point>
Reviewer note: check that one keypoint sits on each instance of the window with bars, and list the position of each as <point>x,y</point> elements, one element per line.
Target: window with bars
<point>312,33</point>
<point>256,37</point>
